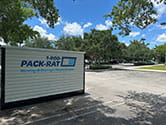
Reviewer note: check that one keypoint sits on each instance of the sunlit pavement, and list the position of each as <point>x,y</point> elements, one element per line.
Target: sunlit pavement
<point>113,97</point>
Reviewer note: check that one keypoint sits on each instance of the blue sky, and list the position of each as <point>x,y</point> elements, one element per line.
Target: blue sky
<point>83,15</point>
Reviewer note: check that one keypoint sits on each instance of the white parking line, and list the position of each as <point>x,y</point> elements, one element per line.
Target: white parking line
<point>83,114</point>
<point>76,116</point>
<point>57,115</point>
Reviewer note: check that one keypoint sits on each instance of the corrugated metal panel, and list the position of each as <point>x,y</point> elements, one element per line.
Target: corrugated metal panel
<point>41,81</point>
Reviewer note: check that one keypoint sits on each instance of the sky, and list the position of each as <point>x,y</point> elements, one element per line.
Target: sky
<point>79,16</point>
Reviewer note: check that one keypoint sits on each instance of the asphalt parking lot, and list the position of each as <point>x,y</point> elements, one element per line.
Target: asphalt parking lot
<point>113,97</point>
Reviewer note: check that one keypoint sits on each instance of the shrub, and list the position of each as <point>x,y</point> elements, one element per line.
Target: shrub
<point>100,67</point>
<point>104,63</point>
<point>143,63</point>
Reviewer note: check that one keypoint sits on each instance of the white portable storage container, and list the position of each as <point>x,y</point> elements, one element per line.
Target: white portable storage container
<point>31,75</point>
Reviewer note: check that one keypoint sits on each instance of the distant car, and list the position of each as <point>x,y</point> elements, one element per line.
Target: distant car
<point>114,61</point>
<point>87,61</point>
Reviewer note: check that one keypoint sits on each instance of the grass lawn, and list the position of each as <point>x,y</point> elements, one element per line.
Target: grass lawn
<point>158,67</point>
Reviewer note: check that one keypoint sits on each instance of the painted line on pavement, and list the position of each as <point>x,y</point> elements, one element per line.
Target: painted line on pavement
<point>73,111</point>
<point>83,114</point>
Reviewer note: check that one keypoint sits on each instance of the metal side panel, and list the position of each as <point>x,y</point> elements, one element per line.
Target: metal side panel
<point>33,74</point>
<point>0,73</point>
<point>2,90</point>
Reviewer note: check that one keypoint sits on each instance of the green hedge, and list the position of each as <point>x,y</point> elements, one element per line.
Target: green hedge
<point>143,63</point>
<point>100,67</point>
<point>104,63</point>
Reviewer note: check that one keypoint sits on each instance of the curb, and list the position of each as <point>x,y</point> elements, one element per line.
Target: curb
<point>145,70</point>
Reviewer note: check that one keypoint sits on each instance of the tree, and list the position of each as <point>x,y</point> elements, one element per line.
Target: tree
<point>103,45</point>
<point>160,52</point>
<point>138,50</point>
<point>69,43</point>
<point>40,43</point>
<point>13,13</point>
<point>129,13</point>
<point>122,54</point>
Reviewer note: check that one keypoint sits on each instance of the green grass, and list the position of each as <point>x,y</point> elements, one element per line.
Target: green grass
<point>158,67</point>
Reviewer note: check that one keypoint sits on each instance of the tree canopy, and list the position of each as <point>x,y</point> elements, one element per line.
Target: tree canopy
<point>102,45</point>
<point>69,43</point>
<point>138,50</point>
<point>161,52</point>
<point>39,42</point>
<point>13,14</point>
<point>129,13</point>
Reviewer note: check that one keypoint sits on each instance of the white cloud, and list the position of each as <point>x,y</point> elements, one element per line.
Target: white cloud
<point>107,25</point>
<point>143,35</point>
<point>133,34</point>
<point>59,21</point>
<point>101,27</point>
<point>87,25</point>
<point>161,26</point>
<point>161,9</point>
<point>161,38</point>
<point>40,30</point>
<point>50,36</point>
<point>153,43</point>
<point>73,29</point>
<point>44,33</point>
<point>127,44</point>
<point>44,22</point>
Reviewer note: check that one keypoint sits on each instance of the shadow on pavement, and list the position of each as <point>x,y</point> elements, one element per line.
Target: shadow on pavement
<point>150,109</point>
<point>52,111</point>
